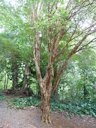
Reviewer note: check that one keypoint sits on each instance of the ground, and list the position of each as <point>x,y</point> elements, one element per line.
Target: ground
<point>30,118</point>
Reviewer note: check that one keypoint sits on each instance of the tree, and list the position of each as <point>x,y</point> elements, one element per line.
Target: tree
<point>87,63</point>
<point>78,80</point>
<point>14,41</point>
<point>63,29</point>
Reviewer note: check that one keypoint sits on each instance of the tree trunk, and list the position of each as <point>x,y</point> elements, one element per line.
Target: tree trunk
<point>14,74</point>
<point>85,91</point>
<point>46,89</point>
<point>5,81</point>
<point>25,89</point>
<point>45,107</point>
<point>26,76</point>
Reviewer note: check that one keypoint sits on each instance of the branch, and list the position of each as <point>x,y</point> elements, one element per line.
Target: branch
<point>50,8</point>
<point>69,40</point>
<point>68,4</point>
<point>36,53</point>
<point>54,43</point>
<point>65,63</point>
<point>80,7</point>
<point>87,30</point>
<point>84,46</point>
<point>71,53</point>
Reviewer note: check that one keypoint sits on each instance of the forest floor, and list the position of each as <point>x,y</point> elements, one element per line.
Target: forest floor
<point>30,118</point>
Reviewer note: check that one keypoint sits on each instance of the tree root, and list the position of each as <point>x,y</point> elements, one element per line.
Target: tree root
<point>46,118</point>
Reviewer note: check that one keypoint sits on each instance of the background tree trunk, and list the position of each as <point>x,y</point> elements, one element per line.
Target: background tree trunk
<point>5,81</point>
<point>25,89</point>
<point>14,74</point>
<point>26,76</point>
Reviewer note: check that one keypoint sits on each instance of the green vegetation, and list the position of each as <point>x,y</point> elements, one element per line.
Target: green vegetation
<point>2,97</point>
<point>87,107</point>
<point>77,107</point>
<point>25,102</point>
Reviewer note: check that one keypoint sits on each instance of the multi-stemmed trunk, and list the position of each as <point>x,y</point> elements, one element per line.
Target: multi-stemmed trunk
<point>47,83</point>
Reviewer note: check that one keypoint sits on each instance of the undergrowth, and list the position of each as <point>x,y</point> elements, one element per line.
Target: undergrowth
<point>25,102</point>
<point>2,97</point>
<point>87,107</point>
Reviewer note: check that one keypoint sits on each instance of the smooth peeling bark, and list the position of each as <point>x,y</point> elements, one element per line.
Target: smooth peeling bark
<point>45,107</point>
<point>46,89</point>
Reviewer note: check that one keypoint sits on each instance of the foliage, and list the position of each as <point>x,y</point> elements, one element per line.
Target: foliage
<point>25,102</point>
<point>81,107</point>
<point>2,97</point>
<point>79,79</point>
<point>86,107</point>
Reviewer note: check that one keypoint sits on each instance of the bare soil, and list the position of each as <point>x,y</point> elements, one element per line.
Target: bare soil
<point>30,118</point>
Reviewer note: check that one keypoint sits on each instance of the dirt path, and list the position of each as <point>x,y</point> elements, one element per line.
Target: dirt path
<point>30,118</point>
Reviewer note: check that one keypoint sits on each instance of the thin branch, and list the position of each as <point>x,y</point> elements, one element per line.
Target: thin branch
<point>84,46</point>
<point>68,4</point>
<point>76,12</point>
<point>63,66</point>
<point>69,40</point>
